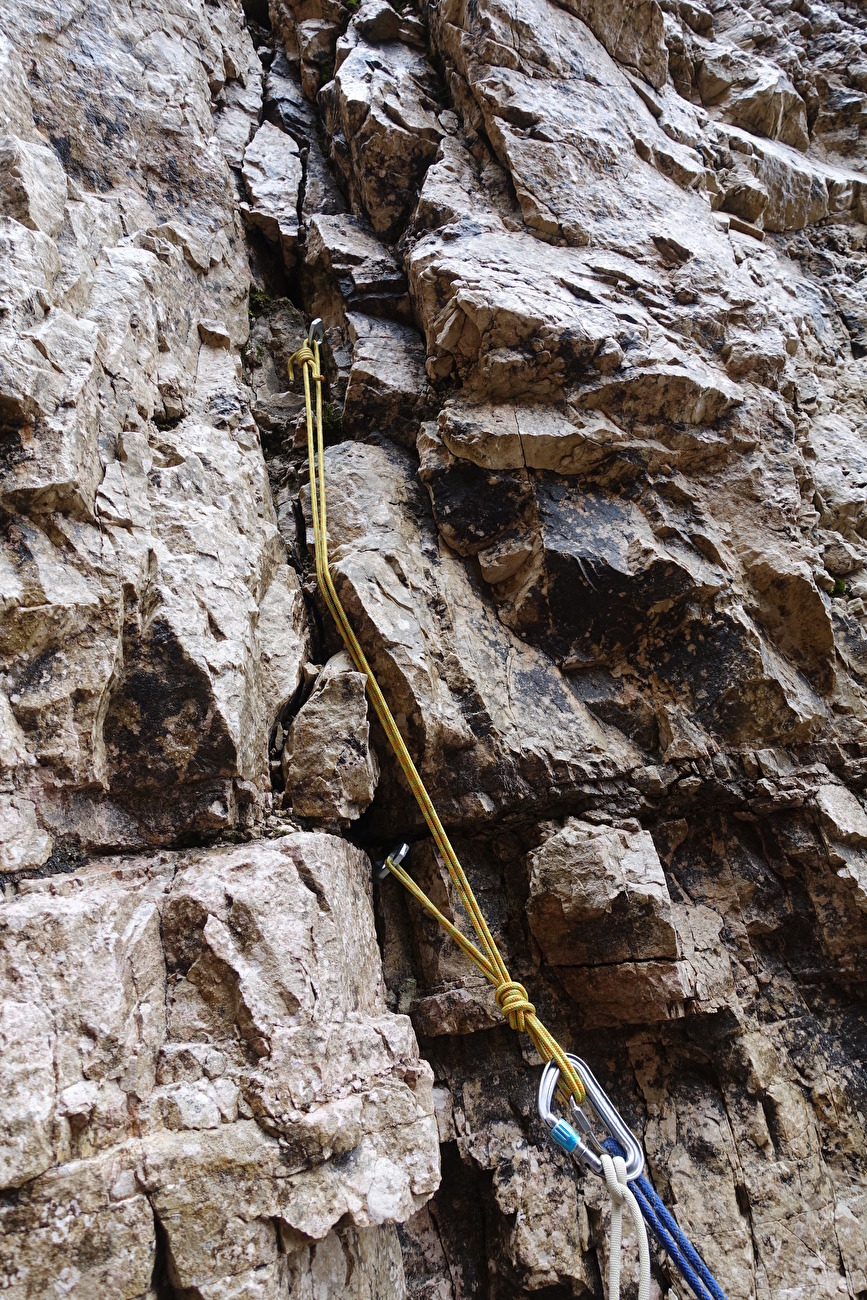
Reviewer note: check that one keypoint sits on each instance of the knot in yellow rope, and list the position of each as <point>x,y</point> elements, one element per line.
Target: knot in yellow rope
<point>304,356</point>
<point>511,998</point>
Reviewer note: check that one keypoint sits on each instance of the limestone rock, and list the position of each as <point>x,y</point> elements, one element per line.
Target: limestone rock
<point>600,909</point>
<point>276,334</point>
<point>329,769</point>
<point>286,106</point>
<point>33,186</point>
<point>387,389</point>
<point>381,116</point>
<point>184,1075</point>
<point>602,279</point>
<point>754,95</point>
<point>141,538</point>
<point>598,895</point>
<point>272,177</point>
<point>451,670</point>
<point>353,270</point>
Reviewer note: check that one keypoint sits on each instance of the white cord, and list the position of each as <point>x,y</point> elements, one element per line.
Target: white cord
<point>614,1169</point>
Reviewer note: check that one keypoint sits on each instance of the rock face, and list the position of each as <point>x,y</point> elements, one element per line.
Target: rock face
<point>594,404</point>
<point>200,1075</point>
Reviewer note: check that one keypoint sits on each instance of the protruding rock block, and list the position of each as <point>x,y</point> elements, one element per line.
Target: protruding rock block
<point>598,897</point>
<point>353,271</point>
<point>382,119</point>
<point>273,174</point>
<point>388,389</point>
<point>328,766</point>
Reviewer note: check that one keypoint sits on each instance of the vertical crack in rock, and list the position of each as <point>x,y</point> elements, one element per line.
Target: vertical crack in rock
<point>592,282</point>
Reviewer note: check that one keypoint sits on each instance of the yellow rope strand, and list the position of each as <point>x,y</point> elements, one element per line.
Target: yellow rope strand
<point>511,996</point>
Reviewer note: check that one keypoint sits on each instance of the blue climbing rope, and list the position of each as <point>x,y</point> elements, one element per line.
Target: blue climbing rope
<point>674,1242</point>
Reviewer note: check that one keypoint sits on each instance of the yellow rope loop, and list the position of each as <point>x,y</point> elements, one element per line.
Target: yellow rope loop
<point>303,357</point>
<point>511,998</point>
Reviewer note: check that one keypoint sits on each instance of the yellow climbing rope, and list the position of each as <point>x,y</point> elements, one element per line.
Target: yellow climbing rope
<point>511,997</point>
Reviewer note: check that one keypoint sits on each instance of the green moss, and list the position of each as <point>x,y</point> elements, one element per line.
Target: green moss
<point>332,423</point>
<point>260,303</point>
<point>839,587</point>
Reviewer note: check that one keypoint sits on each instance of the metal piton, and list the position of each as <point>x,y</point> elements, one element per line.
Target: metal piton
<point>396,856</point>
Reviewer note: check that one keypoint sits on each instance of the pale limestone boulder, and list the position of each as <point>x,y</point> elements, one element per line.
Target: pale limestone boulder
<point>203,1037</point>
<point>705,965</point>
<point>352,270</point>
<point>486,296</point>
<point>284,638</point>
<point>277,406</point>
<point>387,389</point>
<point>799,190</point>
<point>358,1263</point>
<point>691,393</point>
<point>377,21</point>
<point>23,841</point>
<point>32,185</point>
<point>841,814</point>
<point>330,771</point>
<point>28,1092</point>
<point>316,38</point>
<point>286,106</point>
<point>754,94</point>
<point>381,116</point>
<point>273,175</point>
<point>239,102</point>
<point>583,138</point>
<point>598,896</point>
<point>601,912</point>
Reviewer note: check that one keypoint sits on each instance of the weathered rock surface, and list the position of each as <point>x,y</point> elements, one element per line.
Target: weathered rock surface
<point>144,570</point>
<point>387,388</point>
<point>328,767</point>
<point>188,1076</point>
<point>463,689</point>
<point>272,177</point>
<point>380,113</point>
<point>594,400</point>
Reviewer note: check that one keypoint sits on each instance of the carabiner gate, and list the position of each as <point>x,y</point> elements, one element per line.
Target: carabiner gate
<point>566,1136</point>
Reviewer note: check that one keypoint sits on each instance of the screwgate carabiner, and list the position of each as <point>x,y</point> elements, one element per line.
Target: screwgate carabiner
<point>565,1135</point>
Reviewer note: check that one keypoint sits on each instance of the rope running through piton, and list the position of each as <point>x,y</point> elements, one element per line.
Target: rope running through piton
<point>511,996</point>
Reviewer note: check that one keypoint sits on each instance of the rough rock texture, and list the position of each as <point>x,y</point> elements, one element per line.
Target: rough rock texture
<point>329,770</point>
<point>200,1076</point>
<point>152,629</point>
<point>594,398</point>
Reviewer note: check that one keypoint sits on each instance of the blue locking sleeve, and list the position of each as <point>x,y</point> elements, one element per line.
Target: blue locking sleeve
<point>565,1136</point>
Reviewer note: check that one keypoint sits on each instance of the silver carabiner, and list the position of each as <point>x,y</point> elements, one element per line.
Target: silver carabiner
<point>565,1135</point>
<point>316,332</point>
